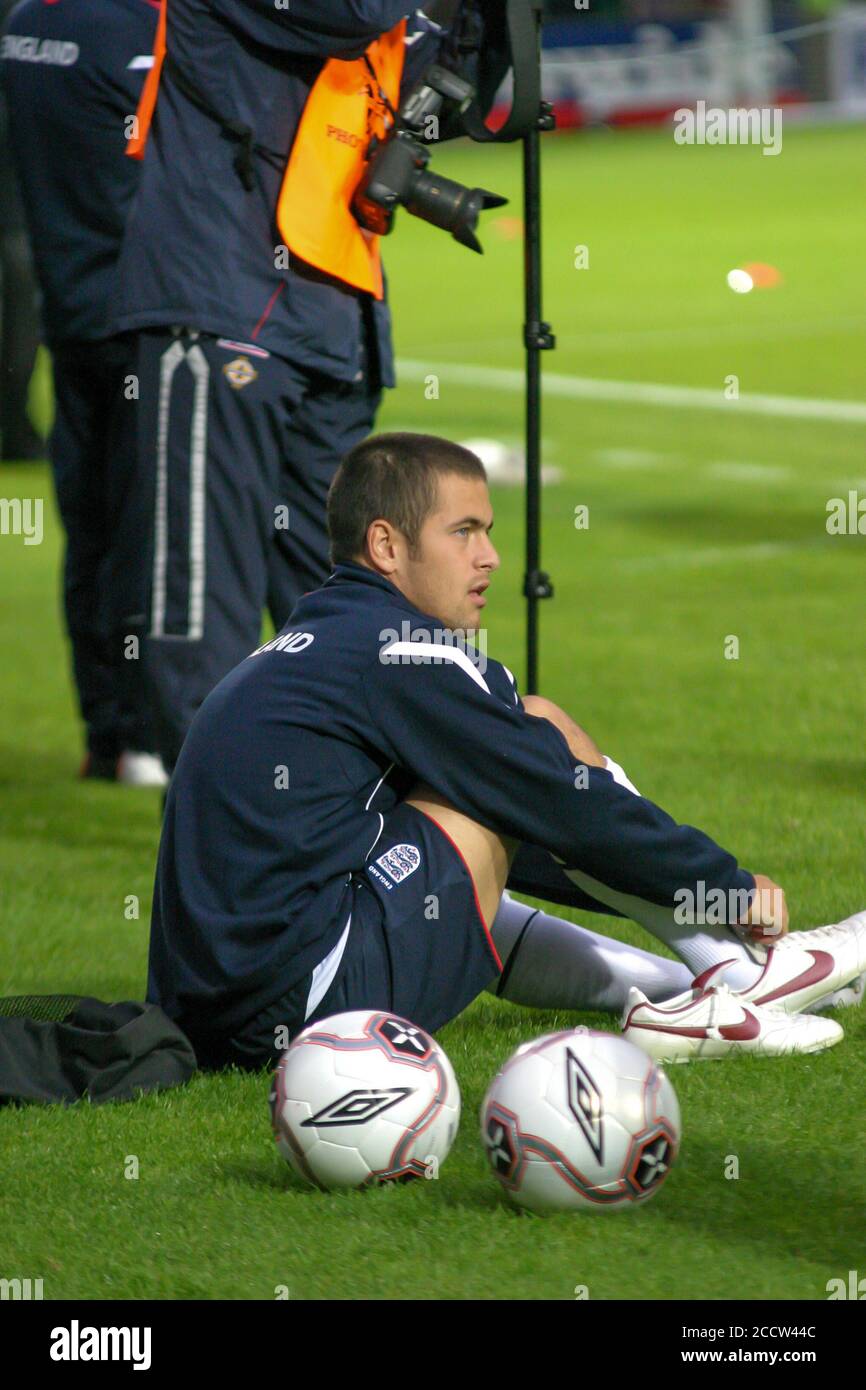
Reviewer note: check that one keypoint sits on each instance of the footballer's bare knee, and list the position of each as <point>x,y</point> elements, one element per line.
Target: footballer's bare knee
<point>488,855</point>
<point>582,746</point>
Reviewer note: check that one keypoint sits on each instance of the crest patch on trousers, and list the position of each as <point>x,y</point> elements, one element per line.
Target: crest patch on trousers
<point>401,861</point>
<point>240,372</point>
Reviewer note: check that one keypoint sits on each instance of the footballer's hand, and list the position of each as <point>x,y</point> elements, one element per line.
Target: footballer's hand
<point>767,917</point>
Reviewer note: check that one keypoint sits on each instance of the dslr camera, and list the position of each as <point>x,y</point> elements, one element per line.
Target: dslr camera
<point>396,171</point>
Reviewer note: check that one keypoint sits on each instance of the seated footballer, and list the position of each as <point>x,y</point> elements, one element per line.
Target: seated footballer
<point>354,800</point>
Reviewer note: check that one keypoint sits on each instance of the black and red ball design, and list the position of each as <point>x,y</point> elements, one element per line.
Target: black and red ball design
<point>580,1120</point>
<point>363,1098</point>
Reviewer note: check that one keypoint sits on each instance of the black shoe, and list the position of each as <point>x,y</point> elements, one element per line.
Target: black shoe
<point>99,767</point>
<point>23,446</point>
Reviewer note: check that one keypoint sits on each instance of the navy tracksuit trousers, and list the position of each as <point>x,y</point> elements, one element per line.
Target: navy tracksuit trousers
<point>237,449</point>
<point>93,457</point>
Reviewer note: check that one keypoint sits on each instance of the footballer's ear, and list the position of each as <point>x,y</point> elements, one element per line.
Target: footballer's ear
<point>381,545</point>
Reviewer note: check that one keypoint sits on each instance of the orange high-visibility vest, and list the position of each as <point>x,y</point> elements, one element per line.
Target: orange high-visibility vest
<point>341,114</point>
<point>346,107</point>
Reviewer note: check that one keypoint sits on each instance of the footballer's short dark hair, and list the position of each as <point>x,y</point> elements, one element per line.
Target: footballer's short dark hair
<point>393,476</point>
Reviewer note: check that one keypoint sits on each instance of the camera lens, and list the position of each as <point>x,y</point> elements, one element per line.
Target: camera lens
<point>450,205</point>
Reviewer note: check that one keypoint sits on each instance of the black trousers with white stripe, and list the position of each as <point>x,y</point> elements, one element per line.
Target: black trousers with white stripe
<point>237,449</point>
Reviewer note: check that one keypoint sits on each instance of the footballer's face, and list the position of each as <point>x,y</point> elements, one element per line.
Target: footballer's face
<point>454,557</point>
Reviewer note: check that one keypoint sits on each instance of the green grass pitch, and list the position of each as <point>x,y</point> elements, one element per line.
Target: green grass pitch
<point>703,524</point>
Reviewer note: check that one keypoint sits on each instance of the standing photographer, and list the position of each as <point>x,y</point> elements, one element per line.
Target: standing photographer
<point>259,301</point>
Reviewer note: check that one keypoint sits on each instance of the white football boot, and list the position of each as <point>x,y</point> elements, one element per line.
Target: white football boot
<point>808,970</point>
<point>713,1022</point>
<point>141,769</point>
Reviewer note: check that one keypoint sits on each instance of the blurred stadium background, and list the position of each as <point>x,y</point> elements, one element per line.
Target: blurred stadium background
<point>706,519</point>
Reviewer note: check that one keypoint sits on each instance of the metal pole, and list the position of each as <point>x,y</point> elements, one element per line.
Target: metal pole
<point>751,21</point>
<point>537,338</point>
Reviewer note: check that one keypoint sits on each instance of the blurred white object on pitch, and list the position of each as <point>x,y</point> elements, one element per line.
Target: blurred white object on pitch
<point>505,464</point>
<point>141,769</point>
<point>740,281</point>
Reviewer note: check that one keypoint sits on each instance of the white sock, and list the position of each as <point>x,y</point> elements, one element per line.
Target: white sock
<point>699,946</point>
<point>549,963</point>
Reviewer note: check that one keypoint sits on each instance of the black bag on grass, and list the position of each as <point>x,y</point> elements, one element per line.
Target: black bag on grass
<point>59,1048</point>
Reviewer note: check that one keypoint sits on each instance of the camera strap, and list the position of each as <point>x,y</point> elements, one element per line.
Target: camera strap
<point>522,20</point>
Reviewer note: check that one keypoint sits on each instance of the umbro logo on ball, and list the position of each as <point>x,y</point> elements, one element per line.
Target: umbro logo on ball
<point>357,1107</point>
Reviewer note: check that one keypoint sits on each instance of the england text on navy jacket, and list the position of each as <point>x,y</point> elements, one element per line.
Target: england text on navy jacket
<point>294,759</point>
<point>73,73</point>
<point>200,248</point>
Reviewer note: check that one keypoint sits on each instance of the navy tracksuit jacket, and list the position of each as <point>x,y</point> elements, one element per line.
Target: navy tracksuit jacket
<point>295,759</point>
<point>73,72</point>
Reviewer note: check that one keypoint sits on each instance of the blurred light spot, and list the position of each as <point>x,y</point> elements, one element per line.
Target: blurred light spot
<point>740,281</point>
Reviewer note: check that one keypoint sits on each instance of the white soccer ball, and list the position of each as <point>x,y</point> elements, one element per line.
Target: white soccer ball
<point>580,1120</point>
<point>364,1098</point>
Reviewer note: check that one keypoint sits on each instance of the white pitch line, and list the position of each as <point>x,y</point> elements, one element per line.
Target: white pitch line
<point>630,458</point>
<point>750,472</point>
<point>715,330</point>
<point>715,555</point>
<point>845,484</point>
<point>635,392</point>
